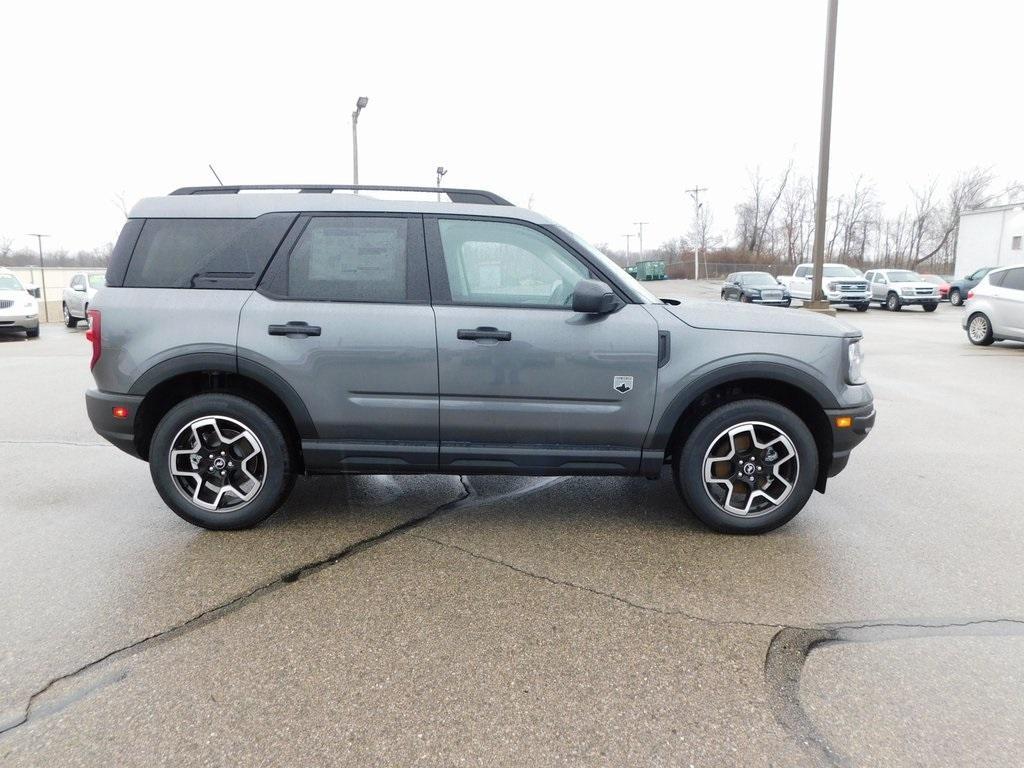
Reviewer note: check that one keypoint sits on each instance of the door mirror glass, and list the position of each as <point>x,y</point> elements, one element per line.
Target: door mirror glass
<point>592,297</point>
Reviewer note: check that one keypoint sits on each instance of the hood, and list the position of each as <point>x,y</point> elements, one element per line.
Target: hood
<point>16,295</point>
<point>727,316</point>
<point>914,284</point>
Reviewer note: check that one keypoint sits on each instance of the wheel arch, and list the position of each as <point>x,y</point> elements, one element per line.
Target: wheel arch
<point>172,381</point>
<point>801,393</point>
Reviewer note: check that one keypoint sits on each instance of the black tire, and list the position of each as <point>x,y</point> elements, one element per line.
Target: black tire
<point>862,307</point>
<point>787,303</point>
<point>979,330</point>
<point>32,333</point>
<point>893,303</point>
<point>277,462</point>
<point>930,307</point>
<point>69,321</point>
<point>955,297</point>
<point>689,457</point>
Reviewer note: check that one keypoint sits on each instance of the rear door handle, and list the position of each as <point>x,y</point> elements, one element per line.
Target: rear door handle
<point>294,328</point>
<point>484,332</point>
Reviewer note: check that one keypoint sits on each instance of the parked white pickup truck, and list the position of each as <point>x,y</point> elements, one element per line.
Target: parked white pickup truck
<point>841,284</point>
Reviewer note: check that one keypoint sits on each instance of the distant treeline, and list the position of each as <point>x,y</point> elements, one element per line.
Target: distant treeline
<point>29,257</point>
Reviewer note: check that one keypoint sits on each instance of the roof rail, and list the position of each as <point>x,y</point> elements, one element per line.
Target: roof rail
<point>478,196</point>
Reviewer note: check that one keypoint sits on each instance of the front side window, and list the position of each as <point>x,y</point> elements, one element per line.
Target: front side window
<point>498,263</point>
<point>350,258</point>
<point>77,282</point>
<point>1013,279</point>
<point>802,272</point>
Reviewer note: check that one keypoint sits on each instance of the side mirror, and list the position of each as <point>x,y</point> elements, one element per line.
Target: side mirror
<point>592,297</point>
<point>32,289</point>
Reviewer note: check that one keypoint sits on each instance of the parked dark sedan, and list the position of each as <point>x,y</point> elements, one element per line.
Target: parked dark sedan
<point>755,288</point>
<point>958,288</point>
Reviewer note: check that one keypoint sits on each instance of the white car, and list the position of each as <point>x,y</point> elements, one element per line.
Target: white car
<point>896,288</point>
<point>19,309</point>
<point>841,284</point>
<point>79,294</point>
<point>995,308</point>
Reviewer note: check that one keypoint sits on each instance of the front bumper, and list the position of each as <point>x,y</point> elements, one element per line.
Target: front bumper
<point>845,439</point>
<point>933,299</point>
<point>848,297</point>
<point>120,432</point>
<point>19,322</point>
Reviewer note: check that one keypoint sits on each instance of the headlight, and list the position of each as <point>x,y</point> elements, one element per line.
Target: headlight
<point>830,286</point>
<point>30,303</point>
<point>855,359</point>
<point>907,291</point>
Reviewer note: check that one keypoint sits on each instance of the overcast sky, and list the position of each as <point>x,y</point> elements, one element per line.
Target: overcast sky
<point>602,113</point>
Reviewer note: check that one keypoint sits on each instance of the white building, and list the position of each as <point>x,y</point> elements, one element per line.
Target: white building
<point>990,237</point>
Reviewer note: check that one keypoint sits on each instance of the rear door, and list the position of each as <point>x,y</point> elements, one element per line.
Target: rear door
<point>526,384</point>
<point>1011,302</point>
<point>343,316</point>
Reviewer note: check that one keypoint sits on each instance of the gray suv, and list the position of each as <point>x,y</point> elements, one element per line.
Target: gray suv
<point>242,339</point>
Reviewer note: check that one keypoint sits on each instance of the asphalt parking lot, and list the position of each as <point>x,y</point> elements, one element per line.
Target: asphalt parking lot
<point>484,621</point>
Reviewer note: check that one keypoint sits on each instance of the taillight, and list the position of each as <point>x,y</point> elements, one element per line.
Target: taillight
<point>93,335</point>
<point>970,294</point>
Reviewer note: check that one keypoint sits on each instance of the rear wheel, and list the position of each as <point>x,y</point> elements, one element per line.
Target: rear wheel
<point>747,467</point>
<point>930,307</point>
<point>220,462</point>
<point>893,303</point>
<point>955,297</point>
<point>979,330</point>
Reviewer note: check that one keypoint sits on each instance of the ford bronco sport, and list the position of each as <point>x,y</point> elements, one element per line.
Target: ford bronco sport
<point>247,334</point>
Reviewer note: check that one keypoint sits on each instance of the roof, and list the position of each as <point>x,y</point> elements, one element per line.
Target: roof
<point>252,204</point>
<point>993,209</point>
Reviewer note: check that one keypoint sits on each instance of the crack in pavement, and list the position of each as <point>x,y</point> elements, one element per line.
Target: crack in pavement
<point>230,606</point>
<point>788,651</point>
<point>601,593</point>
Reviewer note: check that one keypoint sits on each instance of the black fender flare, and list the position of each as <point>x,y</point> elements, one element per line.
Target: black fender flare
<point>784,373</point>
<point>224,362</point>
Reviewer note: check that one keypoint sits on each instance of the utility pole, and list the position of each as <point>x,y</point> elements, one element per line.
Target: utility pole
<point>440,175</point>
<point>42,272</point>
<point>361,103</point>
<point>640,224</point>
<point>695,194</point>
<point>818,303</point>
<point>628,236</point>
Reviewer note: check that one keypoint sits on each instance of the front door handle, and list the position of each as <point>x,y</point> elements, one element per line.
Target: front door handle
<point>294,328</point>
<point>484,332</point>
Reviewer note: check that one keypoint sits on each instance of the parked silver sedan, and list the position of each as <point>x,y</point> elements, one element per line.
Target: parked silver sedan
<point>79,294</point>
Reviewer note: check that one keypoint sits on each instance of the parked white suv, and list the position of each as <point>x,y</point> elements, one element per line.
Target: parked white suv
<point>896,288</point>
<point>19,310</point>
<point>995,308</point>
<point>79,294</point>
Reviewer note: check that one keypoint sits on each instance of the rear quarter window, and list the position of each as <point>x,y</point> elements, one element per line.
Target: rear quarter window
<point>205,253</point>
<point>1013,279</point>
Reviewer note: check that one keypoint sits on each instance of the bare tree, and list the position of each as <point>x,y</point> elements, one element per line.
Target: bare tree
<point>968,190</point>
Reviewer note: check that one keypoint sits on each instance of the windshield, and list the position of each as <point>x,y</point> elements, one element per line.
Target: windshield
<point>838,270</point>
<point>935,279</point>
<point>607,264</point>
<point>97,281</point>
<point>757,278</point>
<point>903,276</point>
<point>10,283</point>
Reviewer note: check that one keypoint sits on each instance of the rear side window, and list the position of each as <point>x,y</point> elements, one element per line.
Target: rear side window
<point>351,258</point>
<point>205,253</point>
<point>1013,279</point>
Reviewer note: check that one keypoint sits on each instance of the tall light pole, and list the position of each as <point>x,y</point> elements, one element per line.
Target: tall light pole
<point>695,194</point>
<point>361,103</point>
<point>440,175</point>
<point>42,272</point>
<point>641,237</point>
<point>818,303</point>
<point>628,236</point>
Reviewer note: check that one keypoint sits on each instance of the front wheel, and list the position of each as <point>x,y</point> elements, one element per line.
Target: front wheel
<point>747,467</point>
<point>862,307</point>
<point>979,330</point>
<point>893,303</point>
<point>955,298</point>
<point>69,321</point>
<point>930,307</point>
<point>220,461</point>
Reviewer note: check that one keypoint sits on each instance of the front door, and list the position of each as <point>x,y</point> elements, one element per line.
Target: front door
<point>343,316</point>
<point>526,384</point>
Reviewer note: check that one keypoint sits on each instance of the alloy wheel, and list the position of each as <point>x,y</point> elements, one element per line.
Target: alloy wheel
<point>978,328</point>
<point>750,469</point>
<point>217,463</point>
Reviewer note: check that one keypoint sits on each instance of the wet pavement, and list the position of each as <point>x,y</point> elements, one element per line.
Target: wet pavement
<point>520,621</point>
